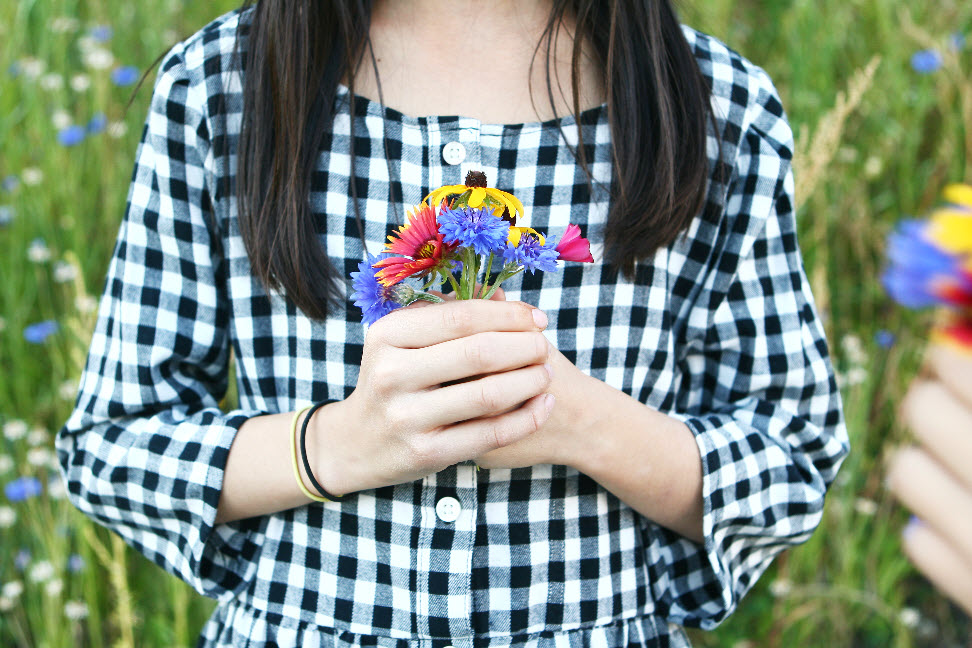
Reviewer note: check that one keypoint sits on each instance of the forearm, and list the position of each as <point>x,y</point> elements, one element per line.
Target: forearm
<point>650,461</point>
<point>259,474</point>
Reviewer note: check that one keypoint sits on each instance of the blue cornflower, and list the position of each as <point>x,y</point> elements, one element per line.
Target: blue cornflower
<point>101,33</point>
<point>478,228</point>
<point>884,338</point>
<point>956,42</point>
<point>374,299</point>
<point>926,61</point>
<point>10,183</point>
<point>14,70</point>
<point>915,264</point>
<point>22,559</point>
<point>75,563</point>
<point>39,332</point>
<point>71,136</point>
<point>22,488</point>
<point>6,215</point>
<point>97,123</point>
<point>532,254</point>
<point>125,75</point>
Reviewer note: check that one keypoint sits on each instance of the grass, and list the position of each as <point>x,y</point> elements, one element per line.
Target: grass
<point>872,150</point>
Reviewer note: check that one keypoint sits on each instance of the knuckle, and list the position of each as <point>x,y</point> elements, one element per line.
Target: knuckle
<point>458,319</point>
<point>486,396</point>
<point>475,351</point>
<point>424,453</point>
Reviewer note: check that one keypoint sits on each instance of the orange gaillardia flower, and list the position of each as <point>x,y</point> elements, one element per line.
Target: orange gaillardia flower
<point>419,245</point>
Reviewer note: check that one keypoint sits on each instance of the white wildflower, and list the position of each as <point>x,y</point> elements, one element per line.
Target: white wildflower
<point>64,24</point>
<point>51,82</point>
<point>54,587</point>
<point>853,349</point>
<point>12,590</point>
<point>865,506</point>
<point>780,587</point>
<point>909,617</point>
<point>55,486</point>
<point>76,610</point>
<point>85,304</point>
<point>38,436</point>
<point>87,43</point>
<point>39,457</point>
<point>61,119</point>
<point>6,604</point>
<point>117,129</point>
<point>873,167</point>
<point>7,517</point>
<point>41,572</point>
<point>65,271</point>
<point>38,252</point>
<point>855,376</point>
<point>80,82</point>
<point>32,176</point>
<point>14,430</point>
<point>98,58</point>
<point>6,464</point>
<point>68,390</point>
<point>31,68</point>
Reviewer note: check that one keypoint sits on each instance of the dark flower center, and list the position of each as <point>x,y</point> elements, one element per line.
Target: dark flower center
<point>476,179</point>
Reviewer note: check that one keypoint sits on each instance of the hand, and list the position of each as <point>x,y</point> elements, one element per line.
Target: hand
<point>556,441</point>
<point>405,420</point>
<point>934,479</point>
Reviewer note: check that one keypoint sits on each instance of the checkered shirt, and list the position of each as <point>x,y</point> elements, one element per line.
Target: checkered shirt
<point>718,329</point>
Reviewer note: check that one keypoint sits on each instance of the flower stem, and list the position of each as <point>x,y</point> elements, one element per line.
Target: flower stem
<point>489,268</point>
<point>507,273</point>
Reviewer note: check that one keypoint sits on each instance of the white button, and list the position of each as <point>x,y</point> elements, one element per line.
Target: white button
<point>453,153</point>
<point>448,509</point>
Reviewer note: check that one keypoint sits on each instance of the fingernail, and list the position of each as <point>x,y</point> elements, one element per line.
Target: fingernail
<point>549,369</point>
<point>540,318</point>
<point>548,402</point>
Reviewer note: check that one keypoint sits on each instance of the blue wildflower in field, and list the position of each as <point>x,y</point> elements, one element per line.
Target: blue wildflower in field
<point>374,299</point>
<point>97,124</point>
<point>532,252</point>
<point>22,559</point>
<point>6,215</point>
<point>71,136</point>
<point>477,228</point>
<point>39,332</point>
<point>10,183</point>
<point>22,488</point>
<point>956,42</point>
<point>926,61</point>
<point>13,70</point>
<point>915,263</point>
<point>884,338</point>
<point>125,75</point>
<point>75,563</point>
<point>101,33</point>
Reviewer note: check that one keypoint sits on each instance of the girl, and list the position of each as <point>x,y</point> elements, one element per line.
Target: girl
<point>609,453</point>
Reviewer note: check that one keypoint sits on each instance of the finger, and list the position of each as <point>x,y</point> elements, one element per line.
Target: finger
<point>933,494</point>
<point>479,436</point>
<point>943,425</point>
<point>482,353</point>
<point>414,328</point>
<point>940,562</point>
<point>954,368</point>
<point>483,397</point>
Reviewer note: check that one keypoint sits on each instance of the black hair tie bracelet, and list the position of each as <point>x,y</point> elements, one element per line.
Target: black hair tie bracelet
<point>303,453</point>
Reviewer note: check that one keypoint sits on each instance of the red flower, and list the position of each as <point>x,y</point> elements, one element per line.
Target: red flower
<point>420,245</point>
<point>574,247</point>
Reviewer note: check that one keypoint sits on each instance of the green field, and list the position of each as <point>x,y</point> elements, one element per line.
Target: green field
<point>875,144</point>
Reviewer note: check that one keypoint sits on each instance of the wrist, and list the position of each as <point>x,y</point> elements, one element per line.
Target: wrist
<point>583,408</point>
<point>323,449</point>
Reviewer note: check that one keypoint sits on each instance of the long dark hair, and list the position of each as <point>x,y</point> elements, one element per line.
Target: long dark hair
<point>296,52</point>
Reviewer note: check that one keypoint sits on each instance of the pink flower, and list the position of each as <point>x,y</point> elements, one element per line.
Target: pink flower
<point>574,247</point>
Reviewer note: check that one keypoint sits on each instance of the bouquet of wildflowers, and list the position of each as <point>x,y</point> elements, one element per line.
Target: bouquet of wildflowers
<point>931,265</point>
<point>462,241</point>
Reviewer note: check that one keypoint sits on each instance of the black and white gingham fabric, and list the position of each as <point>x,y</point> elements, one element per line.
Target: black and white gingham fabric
<point>719,329</point>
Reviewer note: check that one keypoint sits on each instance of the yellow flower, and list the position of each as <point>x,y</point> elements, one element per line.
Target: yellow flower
<point>959,194</point>
<point>476,193</point>
<point>516,233</point>
<point>952,229</point>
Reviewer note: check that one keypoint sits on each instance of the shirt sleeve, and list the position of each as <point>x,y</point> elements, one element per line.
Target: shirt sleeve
<point>759,392</point>
<point>144,451</point>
